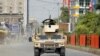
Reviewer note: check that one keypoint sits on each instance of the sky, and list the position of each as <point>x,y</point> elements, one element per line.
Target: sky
<point>41,10</point>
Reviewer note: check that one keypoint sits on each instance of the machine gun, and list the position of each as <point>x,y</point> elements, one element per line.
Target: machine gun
<point>50,25</point>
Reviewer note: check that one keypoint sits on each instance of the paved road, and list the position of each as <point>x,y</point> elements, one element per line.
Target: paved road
<point>26,49</point>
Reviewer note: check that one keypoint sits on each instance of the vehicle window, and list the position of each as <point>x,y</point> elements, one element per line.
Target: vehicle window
<point>43,37</point>
<point>56,37</point>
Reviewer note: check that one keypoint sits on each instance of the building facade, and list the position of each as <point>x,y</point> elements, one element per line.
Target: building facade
<point>11,6</point>
<point>12,13</point>
<point>10,10</point>
<point>11,18</point>
<point>77,8</point>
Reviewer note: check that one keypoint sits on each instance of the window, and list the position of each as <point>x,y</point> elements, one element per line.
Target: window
<point>87,2</point>
<point>6,19</point>
<point>19,12</point>
<point>10,11</point>
<point>0,3</point>
<point>98,1</point>
<point>20,8</point>
<point>20,3</point>
<point>81,10</point>
<point>81,2</point>
<point>10,8</point>
<point>43,37</point>
<point>72,11</point>
<point>73,3</point>
<point>56,37</point>
<point>0,9</point>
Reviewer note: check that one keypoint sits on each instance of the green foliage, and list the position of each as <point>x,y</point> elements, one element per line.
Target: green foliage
<point>64,14</point>
<point>81,29</point>
<point>88,23</point>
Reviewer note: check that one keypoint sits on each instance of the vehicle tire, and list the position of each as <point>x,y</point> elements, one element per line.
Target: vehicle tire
<point>30,39</point>
<point>36,52</point>
<point>62,51</point>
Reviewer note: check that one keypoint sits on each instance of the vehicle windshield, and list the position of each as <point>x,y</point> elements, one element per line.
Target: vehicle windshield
<point>43,37</point>
<point>56,37</point>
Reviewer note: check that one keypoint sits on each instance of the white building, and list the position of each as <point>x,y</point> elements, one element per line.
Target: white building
<point>13,9</point>
<point>11,6</point>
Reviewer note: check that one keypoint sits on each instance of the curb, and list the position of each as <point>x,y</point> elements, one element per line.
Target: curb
<point>86,49</point>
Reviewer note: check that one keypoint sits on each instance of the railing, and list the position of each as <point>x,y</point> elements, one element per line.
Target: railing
<point>92,40</point>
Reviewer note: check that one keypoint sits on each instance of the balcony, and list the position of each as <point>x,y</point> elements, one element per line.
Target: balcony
<point>75,15</point>
<point>76,7</point>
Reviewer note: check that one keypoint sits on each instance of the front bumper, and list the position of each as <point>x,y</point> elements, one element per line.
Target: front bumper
<point>50,45</point>
<point>49,50</point>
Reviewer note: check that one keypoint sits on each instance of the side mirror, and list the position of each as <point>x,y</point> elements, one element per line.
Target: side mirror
<point>63,37</point>
<point>30,39</point>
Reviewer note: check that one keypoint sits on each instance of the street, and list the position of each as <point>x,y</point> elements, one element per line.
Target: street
<point>26,49</point>
<point>50,24</point>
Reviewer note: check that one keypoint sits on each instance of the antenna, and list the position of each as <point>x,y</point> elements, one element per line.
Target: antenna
<point>35,31</point>
<point>49,16</point>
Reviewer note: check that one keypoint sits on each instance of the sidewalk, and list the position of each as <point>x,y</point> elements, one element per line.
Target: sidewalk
<point>86,49</point>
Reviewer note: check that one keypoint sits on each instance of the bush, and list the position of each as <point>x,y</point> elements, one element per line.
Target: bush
<point>88,24</point>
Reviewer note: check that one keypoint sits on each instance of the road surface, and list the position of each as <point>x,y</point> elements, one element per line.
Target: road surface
<point>26,49</point>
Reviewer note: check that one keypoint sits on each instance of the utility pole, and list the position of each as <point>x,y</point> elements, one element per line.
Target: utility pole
<point>28,26</point>
<point>26,16</point>
<point>58,12</point>
<point>27,12</point>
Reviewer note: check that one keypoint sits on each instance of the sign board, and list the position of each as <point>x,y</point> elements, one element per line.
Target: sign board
<point>14,28</point>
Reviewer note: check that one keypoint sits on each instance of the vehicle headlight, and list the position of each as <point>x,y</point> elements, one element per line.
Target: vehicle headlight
<point>56,44</point>
<point>36,44</point>
<point>42,45</point>
<point>61,43</point>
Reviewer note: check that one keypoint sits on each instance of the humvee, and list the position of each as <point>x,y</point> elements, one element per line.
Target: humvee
<point>50,41</point>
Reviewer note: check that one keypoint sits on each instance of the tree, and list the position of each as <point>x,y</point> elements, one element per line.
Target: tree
<point>64,17</point>
<point>88,23</point>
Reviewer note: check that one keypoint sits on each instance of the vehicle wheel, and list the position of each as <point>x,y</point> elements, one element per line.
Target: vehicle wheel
<point>62,51</point>
<point>36,52</point>
<point>30,39</point>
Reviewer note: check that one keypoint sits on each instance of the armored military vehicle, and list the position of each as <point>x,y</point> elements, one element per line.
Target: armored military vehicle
<point>50,40</point>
